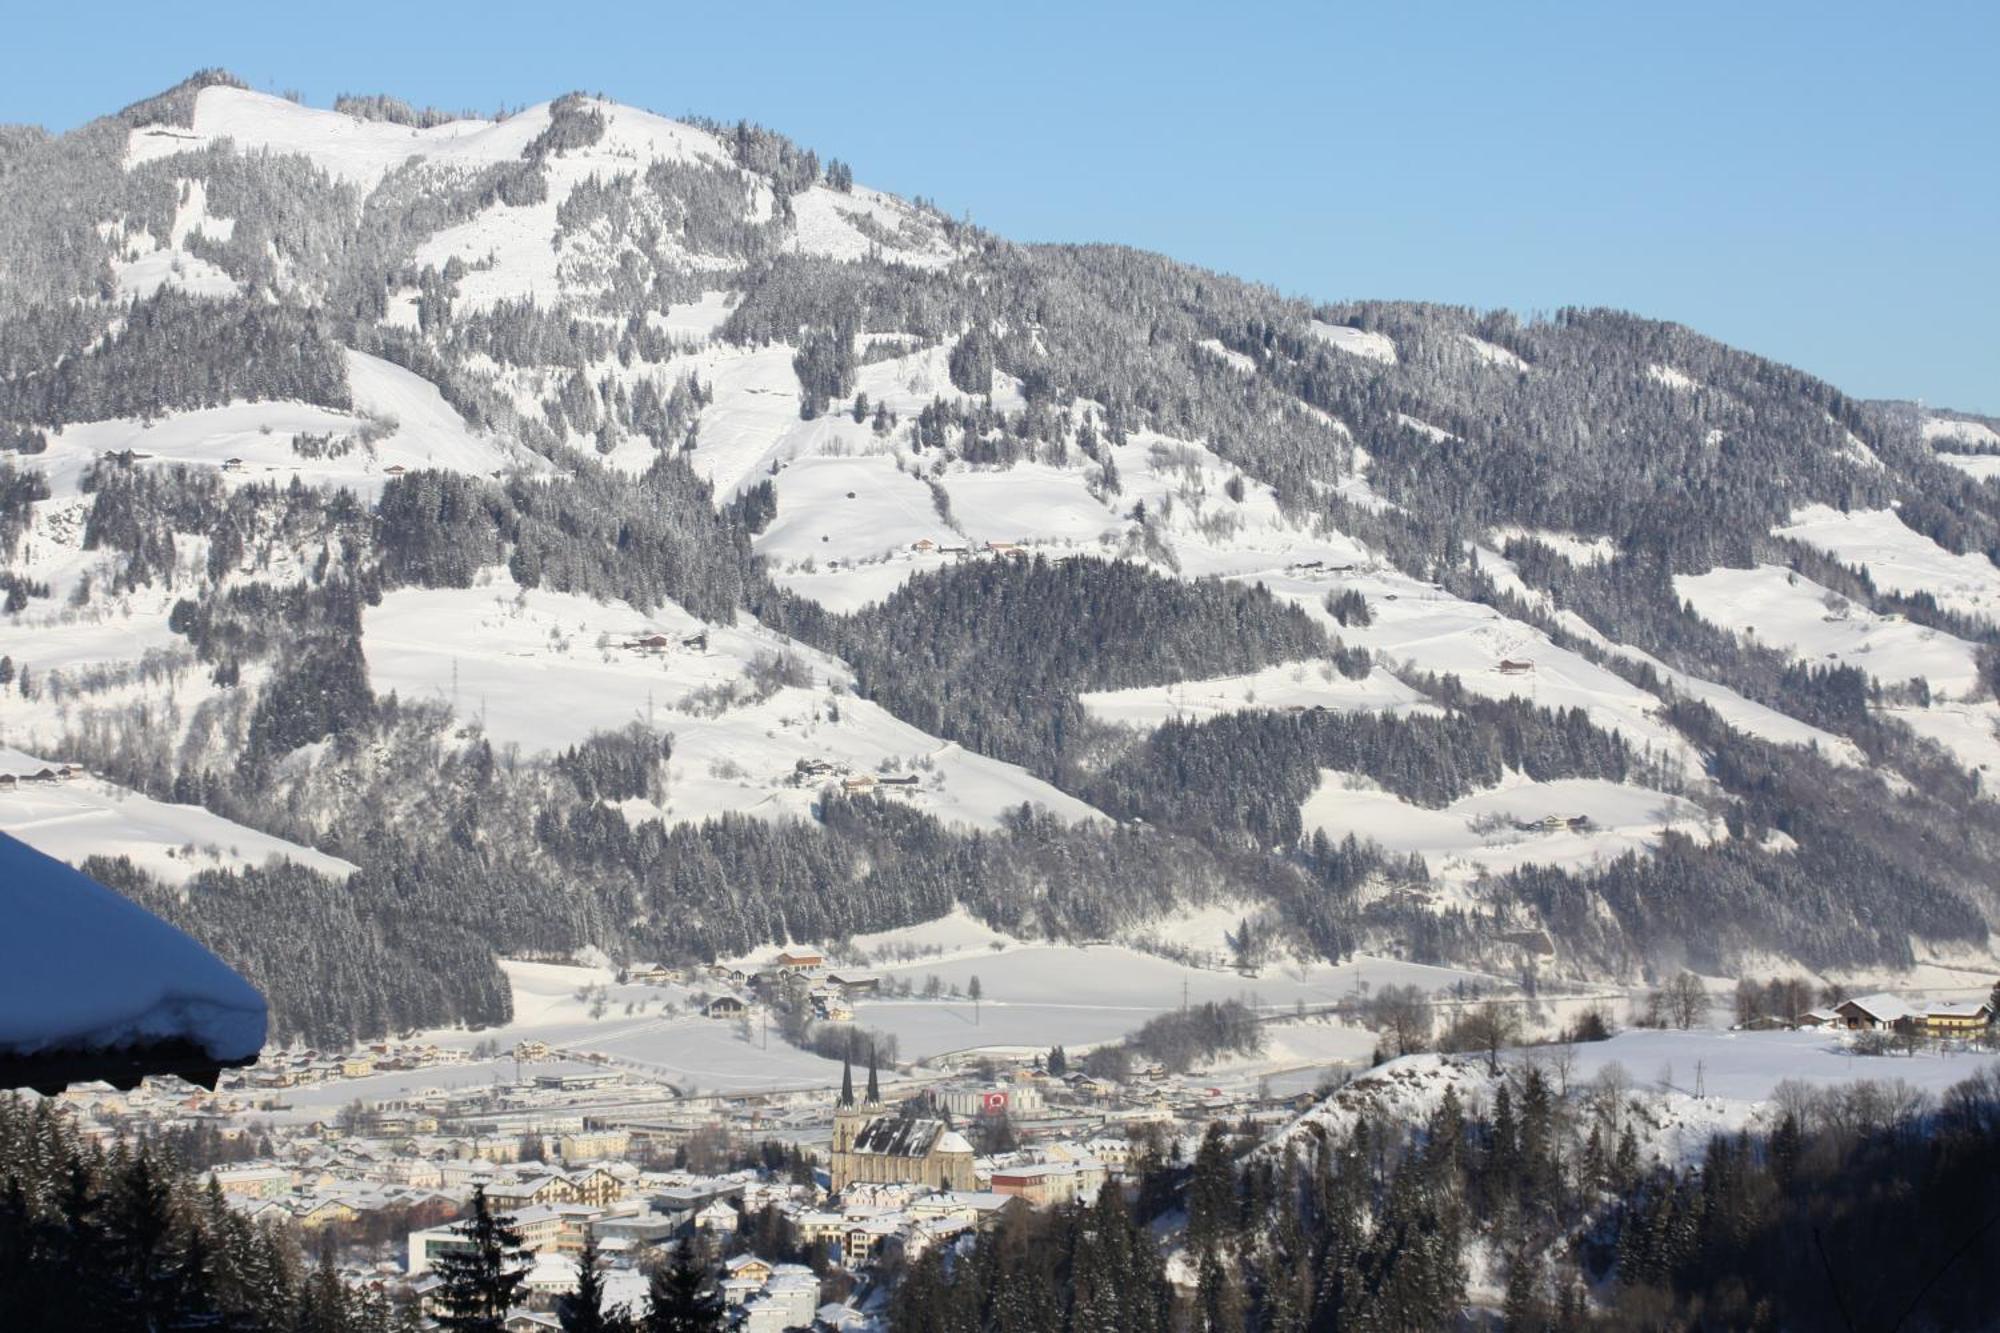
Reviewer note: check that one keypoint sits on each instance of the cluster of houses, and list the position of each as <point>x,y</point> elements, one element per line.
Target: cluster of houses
<point>925,546</point>
<point>1883,1012</point>
<point>796,974</point>
<point>304,1068</point>
<point>48,775</point>
<point>855,1225</point>
<point>808,771</point>
<point>574,1151</point>
<point>1553,823</point>
<point>655,642</point>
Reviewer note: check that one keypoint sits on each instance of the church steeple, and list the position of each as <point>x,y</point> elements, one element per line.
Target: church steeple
<point>874,1083</point>
<point>847,1081</point>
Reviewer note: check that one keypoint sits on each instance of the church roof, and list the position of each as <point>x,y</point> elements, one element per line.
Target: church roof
<point>894,1136</point>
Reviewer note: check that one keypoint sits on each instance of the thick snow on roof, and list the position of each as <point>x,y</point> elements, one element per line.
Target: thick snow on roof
<point>1884,1006</point>
<point>82,969</point>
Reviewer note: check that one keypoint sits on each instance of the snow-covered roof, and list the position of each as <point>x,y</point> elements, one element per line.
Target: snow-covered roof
<point>93,986</point>
<point>1882,1006</point>
<point>953,1141</point>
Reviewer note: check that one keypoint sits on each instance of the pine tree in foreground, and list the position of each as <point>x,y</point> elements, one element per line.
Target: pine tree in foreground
<point>482,1278</point>
<point>680,1300</point>
<point>583,1310</point>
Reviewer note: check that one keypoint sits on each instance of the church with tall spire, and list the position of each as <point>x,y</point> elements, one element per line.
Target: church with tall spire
<point>873,1145</point>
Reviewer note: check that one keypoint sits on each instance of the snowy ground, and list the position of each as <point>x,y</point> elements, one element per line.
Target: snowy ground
<point>410,424</point>
<point>1355,342</point>
<point>1481,834</point>
<point>1748,1066</point>
<point>1784,609</point>
<point>1940,432</point>
<point>1290,685</point>
<point>1078,995</point>
<point>662,1039</point>
<point>85,817</point>
<point>1035,996</point>
<point>1424,628</point>
<point>1900,560</point>
<point>1577,550</point>
<point>543,670</point>
<point>1969,732</point>
<point>1980,467</point>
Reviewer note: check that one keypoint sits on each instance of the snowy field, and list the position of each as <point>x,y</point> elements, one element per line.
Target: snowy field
<point>1493,354</point>
<point>1355,342</point>
<point>411,425</point>
<point>1423,628</point>
<point>1035,996</point>
<point>1748,1066</point>
<point>853,507</point>
<point>1941,432</point>
<point>1900,560</point>
<point>1683,1088</point>
<point>85,817</point>
<point>1027,503</point>
<point>1577,550</point>
<point>1969,733</point>
<point>661,1040</point>
<point>1291,685</point>
<point>1784,609</point>
<point>543,670</point>
<point>1979,467</point>
<point>1747,715</point>
<point>1481,834</point>
<point>1078,995</point>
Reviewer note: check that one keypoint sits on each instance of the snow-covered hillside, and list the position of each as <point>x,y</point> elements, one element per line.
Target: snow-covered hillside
<point>583,417</point>
<point>543,670</point>
<point>73,816</point>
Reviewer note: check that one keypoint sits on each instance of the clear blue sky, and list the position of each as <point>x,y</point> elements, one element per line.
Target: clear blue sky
<point>1817,181</point>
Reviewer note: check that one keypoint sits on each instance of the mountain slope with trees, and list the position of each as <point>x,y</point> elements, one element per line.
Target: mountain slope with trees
<point>950,488</point>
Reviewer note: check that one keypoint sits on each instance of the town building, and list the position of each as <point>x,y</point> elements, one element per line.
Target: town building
<point>1874,1013</point>
<point>873,1146</point>
<point>1957,1020</point>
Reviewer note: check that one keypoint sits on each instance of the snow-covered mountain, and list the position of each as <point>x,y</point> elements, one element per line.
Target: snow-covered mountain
<point>589,528</point>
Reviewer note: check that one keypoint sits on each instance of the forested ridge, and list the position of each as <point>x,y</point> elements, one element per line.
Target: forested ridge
<point>1861,1207</point>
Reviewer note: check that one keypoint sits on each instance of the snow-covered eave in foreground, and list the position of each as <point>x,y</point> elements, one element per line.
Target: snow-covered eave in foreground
<point>92,986</point>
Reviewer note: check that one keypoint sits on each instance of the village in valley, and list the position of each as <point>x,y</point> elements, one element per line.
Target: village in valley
<point>808,1176</point>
